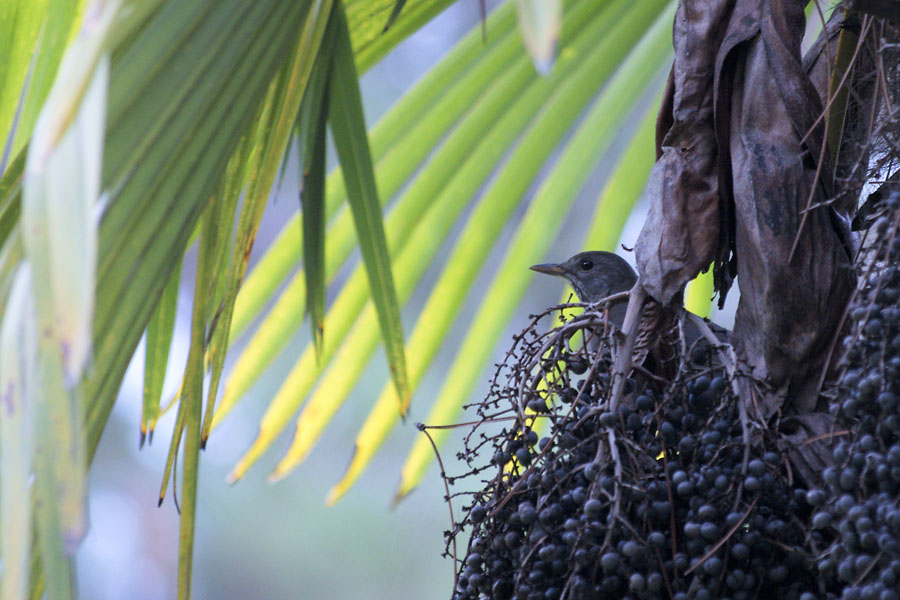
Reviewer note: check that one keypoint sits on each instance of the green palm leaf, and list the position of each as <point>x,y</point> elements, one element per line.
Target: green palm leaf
<point>201,103</point>
<point>349,127</point>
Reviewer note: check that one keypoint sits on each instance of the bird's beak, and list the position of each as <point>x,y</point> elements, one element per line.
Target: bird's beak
<point>549,269</point>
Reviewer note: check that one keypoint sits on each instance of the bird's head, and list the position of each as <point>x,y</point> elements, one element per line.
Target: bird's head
<point>594,275</point>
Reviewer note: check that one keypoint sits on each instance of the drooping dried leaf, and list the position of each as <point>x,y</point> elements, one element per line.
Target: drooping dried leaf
<point>742,156</point>
<point>794,269</point>
<point>679,236</point>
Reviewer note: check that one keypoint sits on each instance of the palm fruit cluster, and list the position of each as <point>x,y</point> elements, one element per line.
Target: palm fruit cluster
<point>859,499</point>
<point>669,490</point>
<point>665,492</point>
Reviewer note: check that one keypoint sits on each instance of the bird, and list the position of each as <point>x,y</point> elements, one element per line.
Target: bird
<point>597,274</point>
<point>594,275</point>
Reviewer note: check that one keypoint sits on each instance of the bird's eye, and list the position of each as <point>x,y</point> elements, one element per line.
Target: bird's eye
<point>587,265</point>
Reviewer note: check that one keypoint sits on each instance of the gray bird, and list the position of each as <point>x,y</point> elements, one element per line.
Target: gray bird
<point>597,274</point>
<point>594,275</point>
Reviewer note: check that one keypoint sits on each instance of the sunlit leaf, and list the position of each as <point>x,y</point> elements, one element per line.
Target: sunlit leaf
<point>60,24</point>
<point>698,298</point>
<point>370,39</point>
<point>20,26</point>
<point>625,185</point>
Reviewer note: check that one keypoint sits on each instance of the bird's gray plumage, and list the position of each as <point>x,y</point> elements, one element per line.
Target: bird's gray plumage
<point>596,274</point>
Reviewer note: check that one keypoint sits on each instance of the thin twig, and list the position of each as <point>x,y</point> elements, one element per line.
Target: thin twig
<point>437,456</point>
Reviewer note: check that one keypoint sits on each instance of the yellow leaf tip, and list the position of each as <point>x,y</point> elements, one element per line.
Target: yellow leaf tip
<point>400,495</point>
<point>334,494</point>
<point>277,475</point>
<point>238,472</point>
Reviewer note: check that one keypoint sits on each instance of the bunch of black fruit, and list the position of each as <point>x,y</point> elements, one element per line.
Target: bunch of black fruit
<point>667,491</point>
<point>859,501</point>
